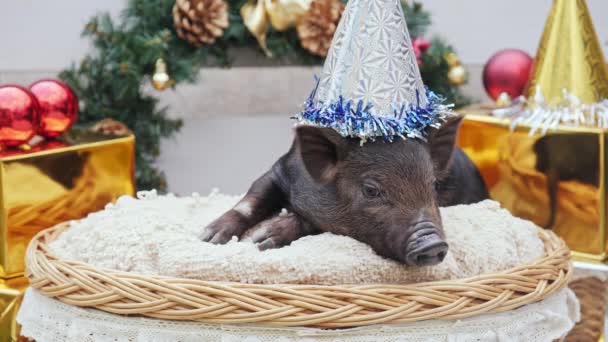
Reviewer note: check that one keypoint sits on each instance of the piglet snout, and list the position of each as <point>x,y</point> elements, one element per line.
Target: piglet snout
<point>425,246</point>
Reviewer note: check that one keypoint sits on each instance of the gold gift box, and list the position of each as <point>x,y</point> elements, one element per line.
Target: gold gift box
<point>556,179</point>
<point>11,294</point>
<point>56,181</point>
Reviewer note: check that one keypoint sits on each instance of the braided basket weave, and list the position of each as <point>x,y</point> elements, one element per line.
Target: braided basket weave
<point>83,285</point>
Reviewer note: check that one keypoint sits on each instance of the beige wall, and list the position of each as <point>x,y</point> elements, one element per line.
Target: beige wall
<point>478,28</point>
<point>45,34</point>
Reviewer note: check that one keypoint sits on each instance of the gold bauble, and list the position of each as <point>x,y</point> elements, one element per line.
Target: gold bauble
<point>457,75</point>
<point>452,59</point>
<point>503,100</point>
<point>160,78</point>
<point>284,14</point>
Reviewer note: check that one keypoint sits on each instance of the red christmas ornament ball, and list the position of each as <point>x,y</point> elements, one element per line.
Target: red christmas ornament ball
<point>507,71</point>
<point>58,107</point>
<point>19,115</point>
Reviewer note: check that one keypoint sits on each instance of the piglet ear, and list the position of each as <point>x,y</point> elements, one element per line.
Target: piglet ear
<point>442,142</point>
<point>320,149</point>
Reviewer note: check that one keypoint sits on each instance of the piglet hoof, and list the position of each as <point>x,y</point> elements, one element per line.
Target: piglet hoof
<point>220,231</point>
<point>277,232</point>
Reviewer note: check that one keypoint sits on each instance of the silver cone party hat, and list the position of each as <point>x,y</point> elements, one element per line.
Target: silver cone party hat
<point>370,85</point>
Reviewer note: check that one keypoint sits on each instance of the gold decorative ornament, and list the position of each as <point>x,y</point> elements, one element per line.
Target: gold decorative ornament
<point>457,75</point>
<point>255,19</point>
<point>316,29</point>
<point>570,56</point>
<point>284,14</point>
<point>258,15</point>
<point>503,100</point>
<point>452,59</point>
<point>160,78</point>
<point>200,22</point>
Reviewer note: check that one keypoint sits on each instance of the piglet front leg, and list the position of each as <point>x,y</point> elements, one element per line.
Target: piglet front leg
<point>262,200</point>
<point>280,231</point>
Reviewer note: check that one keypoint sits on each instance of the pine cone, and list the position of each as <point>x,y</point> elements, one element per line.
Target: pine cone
<point>316,28</point>
<point>110,127</point>
<point>200,22</point>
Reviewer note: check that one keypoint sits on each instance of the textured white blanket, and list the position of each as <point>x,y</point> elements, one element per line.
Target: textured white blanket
<point>157,235</point>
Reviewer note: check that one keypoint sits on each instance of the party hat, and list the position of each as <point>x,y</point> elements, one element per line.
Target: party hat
<point>570,56</point>
<point>370,85</point>
<point>569,83</point>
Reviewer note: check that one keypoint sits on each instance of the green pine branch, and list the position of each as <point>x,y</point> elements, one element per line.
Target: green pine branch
<point>434,71</point>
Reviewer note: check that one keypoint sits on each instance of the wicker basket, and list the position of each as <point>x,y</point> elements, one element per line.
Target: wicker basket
<point>83,285</point>
<point>591,293</point>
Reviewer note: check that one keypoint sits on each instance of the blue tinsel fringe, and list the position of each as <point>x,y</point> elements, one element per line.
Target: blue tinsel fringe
<point>355,120</point>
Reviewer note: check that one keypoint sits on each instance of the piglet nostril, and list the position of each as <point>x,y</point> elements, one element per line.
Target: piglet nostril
<point>430,252</point>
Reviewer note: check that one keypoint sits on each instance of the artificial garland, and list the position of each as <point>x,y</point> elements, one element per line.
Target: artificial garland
<point>144,46</point>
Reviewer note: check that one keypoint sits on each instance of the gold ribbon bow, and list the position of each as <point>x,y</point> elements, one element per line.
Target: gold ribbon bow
<point>281,14</point>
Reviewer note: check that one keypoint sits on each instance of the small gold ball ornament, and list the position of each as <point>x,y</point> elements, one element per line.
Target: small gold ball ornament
<point>457,75</point>
<point>503,100</point>
<point>160,78</point>
<point>452,59</point>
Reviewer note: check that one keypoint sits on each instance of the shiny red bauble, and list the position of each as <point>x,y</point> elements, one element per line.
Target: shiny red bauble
<point>58,106</point>
<point>19,115</point>
<point>508,71</point>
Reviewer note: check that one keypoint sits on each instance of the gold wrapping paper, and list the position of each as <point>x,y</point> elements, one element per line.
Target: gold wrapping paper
<point>11,294</point>
<point>572,162</point>
<point>570,56</point>
<point>43,188</point>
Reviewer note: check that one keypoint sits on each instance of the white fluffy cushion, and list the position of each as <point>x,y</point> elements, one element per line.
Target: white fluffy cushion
<point>157,235</point>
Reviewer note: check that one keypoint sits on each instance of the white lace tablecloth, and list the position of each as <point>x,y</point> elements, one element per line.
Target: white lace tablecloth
<point>49,320</point>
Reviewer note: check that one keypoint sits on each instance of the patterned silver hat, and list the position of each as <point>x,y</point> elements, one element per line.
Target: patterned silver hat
<point>370,85</point>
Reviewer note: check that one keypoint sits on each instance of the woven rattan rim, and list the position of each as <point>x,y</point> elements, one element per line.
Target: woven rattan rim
<point>83,285</point>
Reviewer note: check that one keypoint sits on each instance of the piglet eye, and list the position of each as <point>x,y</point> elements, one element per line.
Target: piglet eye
<point>370,191</point>
<point>437,186</point>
